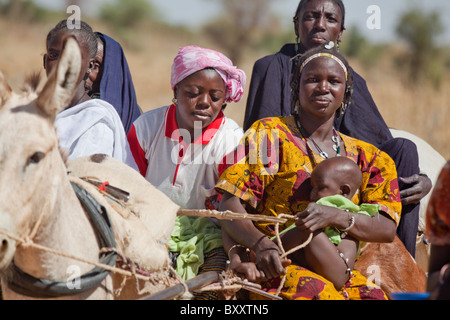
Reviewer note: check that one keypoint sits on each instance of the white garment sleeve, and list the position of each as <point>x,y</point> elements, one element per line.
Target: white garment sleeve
<point>98,139</point>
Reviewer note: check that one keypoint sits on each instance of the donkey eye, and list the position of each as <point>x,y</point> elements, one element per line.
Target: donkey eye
<point>36,157</point>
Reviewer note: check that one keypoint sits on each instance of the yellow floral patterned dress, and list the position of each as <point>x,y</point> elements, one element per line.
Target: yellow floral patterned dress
<point>272,178</point>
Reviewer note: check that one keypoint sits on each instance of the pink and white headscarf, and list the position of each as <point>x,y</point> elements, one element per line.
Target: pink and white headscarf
<point>191,59</point>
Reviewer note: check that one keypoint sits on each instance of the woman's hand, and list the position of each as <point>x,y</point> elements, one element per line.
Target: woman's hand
<point>420,185</point>
<point>268,260</point>
<point>247,269</point>
<point>316,217</point>
<point>243,232</point>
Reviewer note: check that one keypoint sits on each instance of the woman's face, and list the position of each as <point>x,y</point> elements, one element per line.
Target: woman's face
<point>322,87</point>
<point>319,22</point>
<point>96,73</point>
<point>54,50</point>
<point>200,97</point>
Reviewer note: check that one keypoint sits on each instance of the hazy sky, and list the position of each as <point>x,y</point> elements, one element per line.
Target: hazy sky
<point>196,12</point>
<point>193,12</point>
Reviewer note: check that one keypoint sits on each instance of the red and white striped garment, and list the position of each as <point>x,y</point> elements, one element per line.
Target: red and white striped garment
<point>185,172</point>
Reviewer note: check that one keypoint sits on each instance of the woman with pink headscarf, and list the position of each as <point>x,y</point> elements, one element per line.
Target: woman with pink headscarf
<point>183,148</point>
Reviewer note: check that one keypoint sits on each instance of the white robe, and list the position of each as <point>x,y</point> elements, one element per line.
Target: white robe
<point>189,182</point>
<point>93,127</point>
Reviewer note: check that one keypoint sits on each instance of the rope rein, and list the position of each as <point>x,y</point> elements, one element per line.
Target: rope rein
<point>139,274</point>
<point>136,273</point>
<point>284,254</point>
<point>129,269</point>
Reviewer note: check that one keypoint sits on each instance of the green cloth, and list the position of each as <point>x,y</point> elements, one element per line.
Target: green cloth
<point>192,237</point>
<point>340,202</point>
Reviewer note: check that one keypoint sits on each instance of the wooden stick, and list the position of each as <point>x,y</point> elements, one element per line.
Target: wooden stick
<point>229,215</point>
<point>199,281</point>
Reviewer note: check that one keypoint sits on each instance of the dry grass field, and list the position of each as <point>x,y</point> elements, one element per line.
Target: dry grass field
<point>423,111</point>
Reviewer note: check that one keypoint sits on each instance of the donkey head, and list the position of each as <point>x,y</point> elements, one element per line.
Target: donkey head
<point>30,162</point>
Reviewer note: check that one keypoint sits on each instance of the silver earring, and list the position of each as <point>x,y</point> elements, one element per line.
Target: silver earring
<point>297,107</point>
<point>340,112</point>
<point>174,101</point>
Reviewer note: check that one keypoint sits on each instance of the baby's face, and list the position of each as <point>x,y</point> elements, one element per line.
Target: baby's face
<point>323,186</point>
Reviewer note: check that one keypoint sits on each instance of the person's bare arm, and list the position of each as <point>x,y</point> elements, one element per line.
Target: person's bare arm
<point>378,228</point>
<point>245,233</point>
<point>321,255</point>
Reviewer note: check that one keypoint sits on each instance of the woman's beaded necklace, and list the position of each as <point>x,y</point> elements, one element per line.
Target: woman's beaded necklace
<point>323,154</point>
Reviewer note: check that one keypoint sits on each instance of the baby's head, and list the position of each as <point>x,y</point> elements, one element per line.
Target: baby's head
<point>338,175</point>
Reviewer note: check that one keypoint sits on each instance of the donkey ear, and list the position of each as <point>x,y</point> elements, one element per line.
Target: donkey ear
<point>5,90</point>
<point>63,81</point>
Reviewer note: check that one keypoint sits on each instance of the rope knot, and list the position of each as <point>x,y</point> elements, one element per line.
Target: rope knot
<point>27,242</point>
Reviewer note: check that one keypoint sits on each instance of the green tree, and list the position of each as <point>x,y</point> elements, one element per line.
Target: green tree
<point>356,45</point>
<point>420,30</point>
<point>241,25</point>
<point>354,42</point>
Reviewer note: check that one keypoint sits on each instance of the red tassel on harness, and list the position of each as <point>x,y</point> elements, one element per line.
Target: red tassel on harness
<point>103,186</point>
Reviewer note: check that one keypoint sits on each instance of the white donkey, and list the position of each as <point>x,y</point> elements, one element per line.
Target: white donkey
<point>431,163</point>
<point>39,207</point>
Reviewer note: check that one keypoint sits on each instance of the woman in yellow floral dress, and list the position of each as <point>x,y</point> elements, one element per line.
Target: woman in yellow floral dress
<point>277,156</point>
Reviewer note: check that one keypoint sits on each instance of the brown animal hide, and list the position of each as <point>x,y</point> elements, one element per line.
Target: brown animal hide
<point>390,266</point>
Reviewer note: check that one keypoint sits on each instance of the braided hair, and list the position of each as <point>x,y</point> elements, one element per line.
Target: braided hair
<point>297,73</point>
<point>84,34</point>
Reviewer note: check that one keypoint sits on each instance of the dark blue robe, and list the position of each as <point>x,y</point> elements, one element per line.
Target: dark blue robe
<point>116,85</point>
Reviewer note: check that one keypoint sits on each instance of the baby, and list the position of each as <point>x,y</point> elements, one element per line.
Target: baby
<point>334,183</point>
<point>335,176</point>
